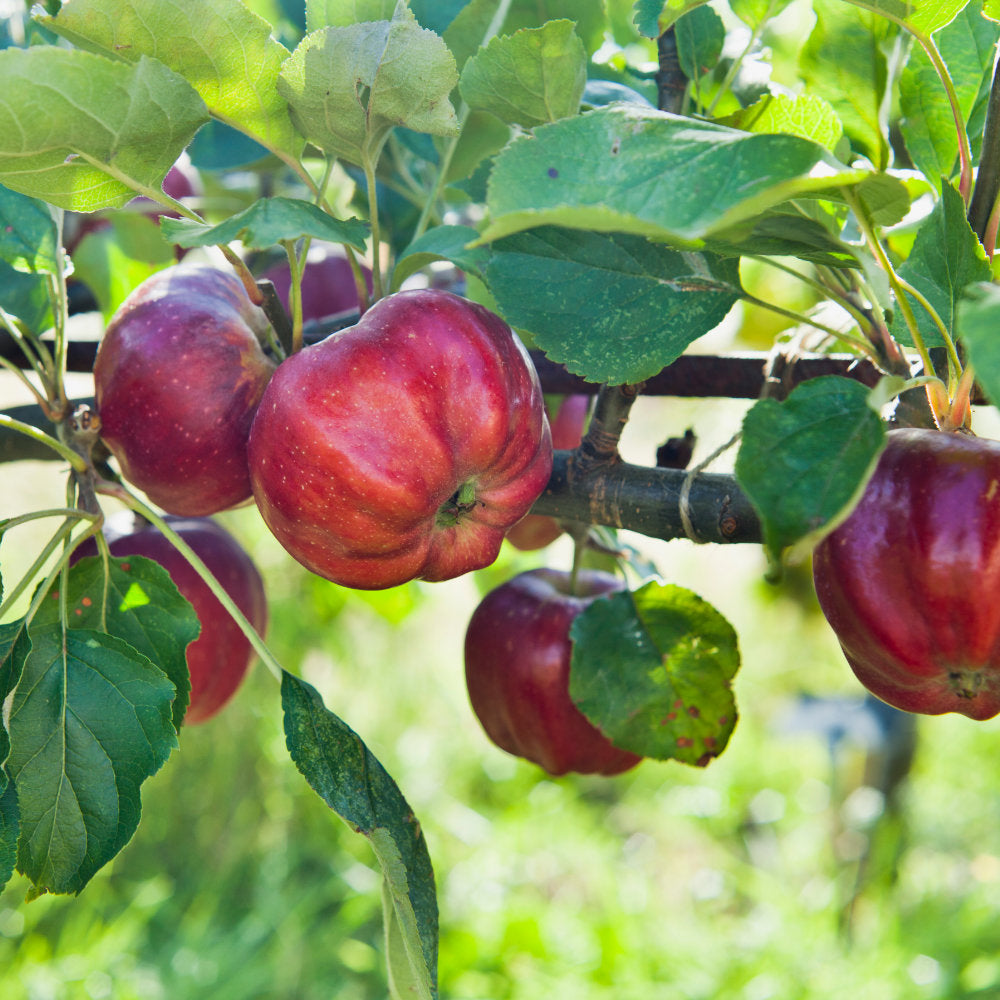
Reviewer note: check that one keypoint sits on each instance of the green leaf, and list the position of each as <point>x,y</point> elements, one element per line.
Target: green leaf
<point>978,322</point>
<point>26,296</point>
<point>27,233</point>
<point>341,13</point>
<point>82,132</point>
<point>653,17</point>
<point>637,170</point>
<point>90,721</point>
<point>589,16</point>
<point>441,243</point>
<point>348,87</point>
<point>349,779</point>
<point>700,37</point>
<point>967,46</point>
<point>946,257</point>
<point>805,115</point>
<point>534,76</point>
<point>14,647</point>
<point>653,671</point>
<point>267,222</point>
<point>844,60</point>
<point>886,198</point>
<point>144,608</point>
<point>438,15</point>
<point>609,306</point>
<point>991,9</point>
<point>223,49</point>
<point>757,12</point>
<point>803,462</point>
<point>10,827</point>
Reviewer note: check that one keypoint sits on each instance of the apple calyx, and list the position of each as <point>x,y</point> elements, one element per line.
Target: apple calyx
<point>458,505</point>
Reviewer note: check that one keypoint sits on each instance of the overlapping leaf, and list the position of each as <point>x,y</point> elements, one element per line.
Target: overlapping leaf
<point>653,671</point>
<point>83,132</point>
<point>222,48</point>
<point>27,233</point>
<point>636,170</point>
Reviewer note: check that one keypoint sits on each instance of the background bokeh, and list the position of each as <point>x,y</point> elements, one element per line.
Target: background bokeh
<point>796,865</point>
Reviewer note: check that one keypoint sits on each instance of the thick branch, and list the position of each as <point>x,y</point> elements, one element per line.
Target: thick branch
<point>984,194</point>
<point>647,500</point>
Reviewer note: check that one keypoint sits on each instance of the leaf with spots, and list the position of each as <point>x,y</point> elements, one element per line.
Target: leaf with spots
<point>89,722</point>
<point>653,670</point>
<point>143,608</point>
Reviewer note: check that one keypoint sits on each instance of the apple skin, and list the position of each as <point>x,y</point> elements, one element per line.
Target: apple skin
<point>364,442</point>
<point>910,582</point>
<point>517,663</point>
<point>219,658</point>
<point>178,376</point>
<point>535,531</point>
<point>327,282</point>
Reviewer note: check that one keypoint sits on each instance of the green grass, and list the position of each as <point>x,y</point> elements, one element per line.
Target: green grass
<point>666,882</point>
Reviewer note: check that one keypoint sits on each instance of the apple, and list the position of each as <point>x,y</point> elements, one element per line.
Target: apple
<point>517,663</point>
<point>535,531</point>
<point>910,582</point>
<point>178,375</point>
<point>219,658</point>
<point>403,447</point>
<point>328,285</point>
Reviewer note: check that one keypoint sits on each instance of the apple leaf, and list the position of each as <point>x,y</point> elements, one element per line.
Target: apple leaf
<point>27,233</point>
<point>350,780</point>
<point>967,46</point>
<point>267,222</point>
<point>348,87</point>
<point>922,16</point>
<point>611,307</point>
<point>978,321</point>
<point>222,48</point>
<point>653,670</point>
<point>805,115</point>
<point>26,296</point>
<point>653,17</point>
<point>946,257</point>
<point>700,36</point>
<point>341,13</point>
<point>844,60</point>
<point>804,462</point>
<point>82,132</point>
<point>534,76</point>
<point>144,608</point>
<point>89,722</point>
<point>757,12</point>
<point>637,170</point>
<point>590,17</point>
<point>10,827</point>
<point>441,243</point>
<point>14,647</point>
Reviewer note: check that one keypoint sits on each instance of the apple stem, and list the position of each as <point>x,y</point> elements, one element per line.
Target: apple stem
<point>128,498</point>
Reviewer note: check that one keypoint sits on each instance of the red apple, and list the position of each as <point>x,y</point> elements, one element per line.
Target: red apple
<point>218,659</point>
<point>178,377</point>
<point>328,285</point>
<point>535,531</point>
<point>402,447</point>
<point>910,582</point>
<point>517,663</point>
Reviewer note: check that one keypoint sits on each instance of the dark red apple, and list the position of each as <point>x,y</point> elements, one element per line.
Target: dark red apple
<point>535,531</point>
<point>910,582</point>
<point>402,447</point>
<point>517,663</point>
<point>178,377</point>
<point>218,659</point>
<point>328,285</point>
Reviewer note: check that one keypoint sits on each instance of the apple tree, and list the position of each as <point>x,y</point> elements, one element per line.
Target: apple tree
<point>345,254</point>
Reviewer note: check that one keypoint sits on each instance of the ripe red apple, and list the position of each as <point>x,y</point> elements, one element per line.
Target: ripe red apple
<point>535,531</point>
<point>517,662</point>
<point>404,446</point>
<point>328,285</point>
<point>218,659</point>
<point>910,582</point>
<point>178,376</point>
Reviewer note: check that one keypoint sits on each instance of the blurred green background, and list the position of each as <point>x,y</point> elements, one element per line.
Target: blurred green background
<point>783,870</point>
